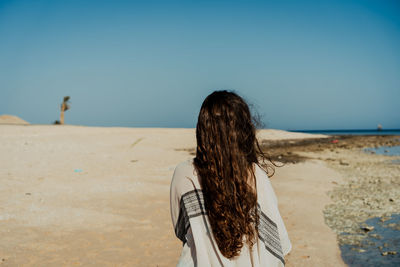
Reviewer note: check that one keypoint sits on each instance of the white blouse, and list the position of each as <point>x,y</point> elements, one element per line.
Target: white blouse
<point>192,227</point>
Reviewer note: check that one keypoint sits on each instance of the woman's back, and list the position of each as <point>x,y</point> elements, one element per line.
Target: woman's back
<point>192,226</point>
<point>222,205</point>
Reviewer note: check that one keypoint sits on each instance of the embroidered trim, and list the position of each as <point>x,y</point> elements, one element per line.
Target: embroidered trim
<point>192,205</point>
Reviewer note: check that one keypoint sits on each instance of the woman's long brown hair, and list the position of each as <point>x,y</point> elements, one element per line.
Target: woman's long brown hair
<point>226,150</point>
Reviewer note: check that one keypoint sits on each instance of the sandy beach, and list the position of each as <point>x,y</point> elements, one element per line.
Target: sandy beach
<point>91,196</point>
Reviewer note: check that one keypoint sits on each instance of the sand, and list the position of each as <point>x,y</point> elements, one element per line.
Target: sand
<point>301,189</point>
<point>91,196</point>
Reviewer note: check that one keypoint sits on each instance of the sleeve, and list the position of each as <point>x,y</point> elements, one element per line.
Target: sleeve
<point>174,198</point>
<point>180,184</point>
<point>283,234</point>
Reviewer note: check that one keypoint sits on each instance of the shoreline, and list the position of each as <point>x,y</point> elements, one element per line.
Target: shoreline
<point>370,189</point>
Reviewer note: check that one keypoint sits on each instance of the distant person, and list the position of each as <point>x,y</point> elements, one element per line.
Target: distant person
<point>223,207</point>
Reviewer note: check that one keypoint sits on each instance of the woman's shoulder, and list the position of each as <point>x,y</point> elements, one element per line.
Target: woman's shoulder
<point>184,167</point>
<point>264,186</point>
<point>260,173</point>
<point>184,176</point>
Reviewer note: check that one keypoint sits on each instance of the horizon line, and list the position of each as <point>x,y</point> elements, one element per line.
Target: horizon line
<point>347,130</point>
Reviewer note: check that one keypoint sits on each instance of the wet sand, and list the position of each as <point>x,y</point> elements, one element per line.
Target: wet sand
<point>91,196</point>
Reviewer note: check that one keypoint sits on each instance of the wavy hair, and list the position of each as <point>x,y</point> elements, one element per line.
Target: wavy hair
<point>227,149</point>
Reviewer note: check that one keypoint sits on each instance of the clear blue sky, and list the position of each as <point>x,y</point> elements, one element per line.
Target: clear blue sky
<point>302,64</point>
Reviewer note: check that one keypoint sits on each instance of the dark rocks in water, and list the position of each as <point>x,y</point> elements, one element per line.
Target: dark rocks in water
<point>385,253</point>
<point>376,236</point>
<point>383,219</point>
<point>358,249</point>
<point>367,228</point>
<point>292,150</point>
<point>379,247</point>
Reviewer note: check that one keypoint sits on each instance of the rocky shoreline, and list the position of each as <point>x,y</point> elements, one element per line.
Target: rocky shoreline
<point>371,185</point>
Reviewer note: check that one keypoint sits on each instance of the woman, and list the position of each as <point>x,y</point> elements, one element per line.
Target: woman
<point>223,207</point>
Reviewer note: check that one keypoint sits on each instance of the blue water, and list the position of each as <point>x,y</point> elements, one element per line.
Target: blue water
<point>384,150</point>
<point>384,238</point>
<point>352,132</point>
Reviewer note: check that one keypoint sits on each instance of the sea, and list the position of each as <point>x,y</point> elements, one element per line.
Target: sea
<point>381,247</point>
<point>384,150</point>
<point>352,132</point>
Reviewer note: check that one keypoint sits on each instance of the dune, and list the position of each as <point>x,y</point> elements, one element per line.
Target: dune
<point>96,196</point>
<point>274,134</point>
<point>10,119</point>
